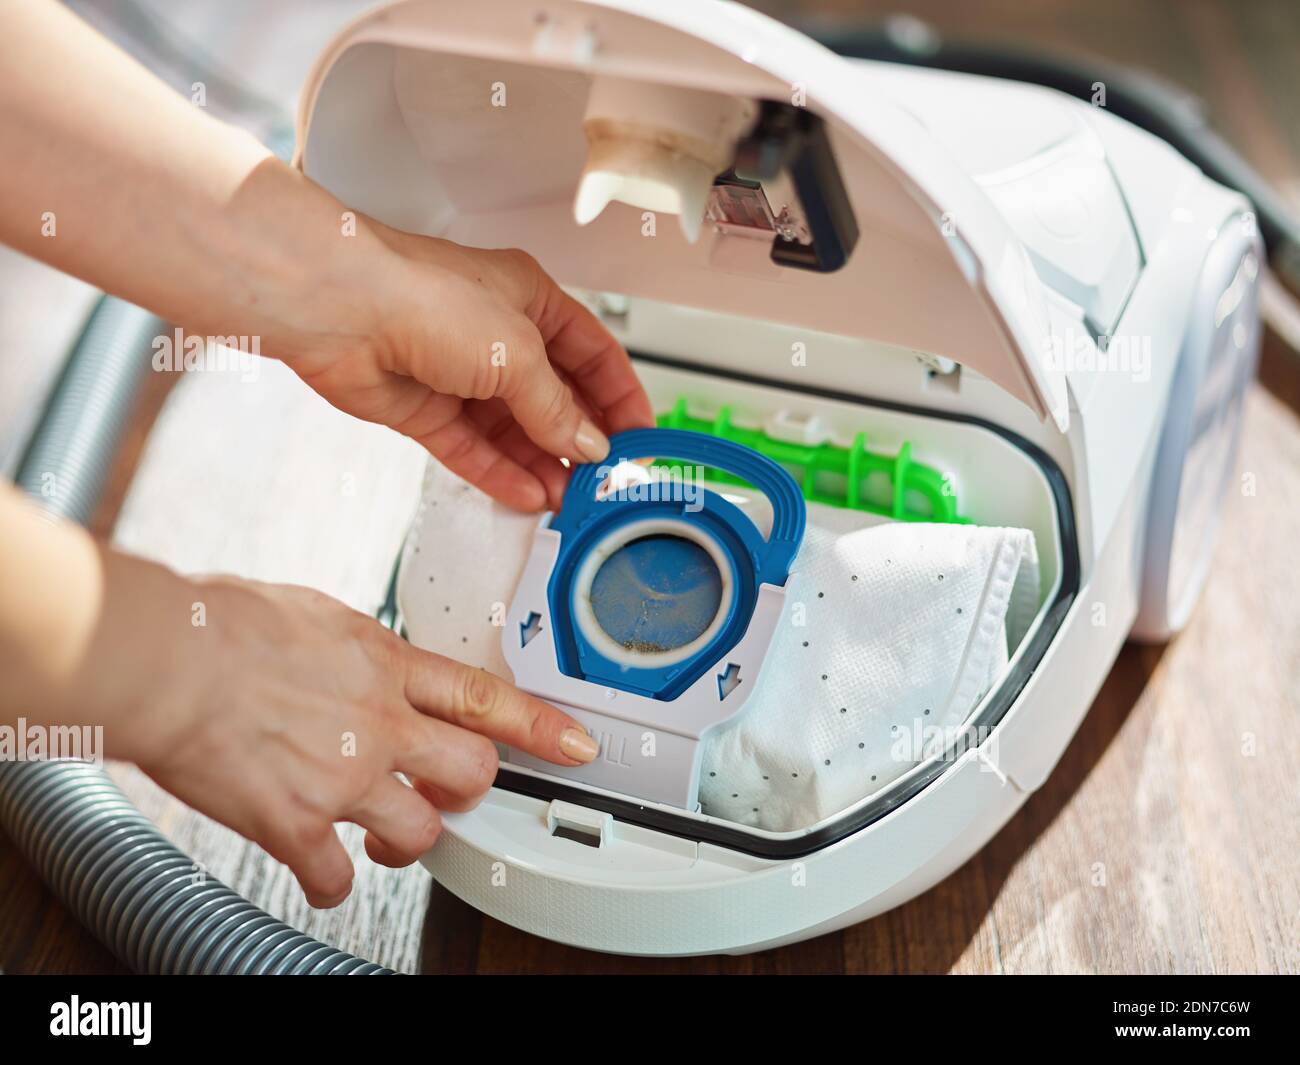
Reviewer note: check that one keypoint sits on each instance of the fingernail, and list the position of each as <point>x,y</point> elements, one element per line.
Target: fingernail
<point>593,445</point>
<point>578,745</point>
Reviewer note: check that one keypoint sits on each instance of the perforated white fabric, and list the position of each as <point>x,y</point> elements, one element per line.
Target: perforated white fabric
<point>891,636</point>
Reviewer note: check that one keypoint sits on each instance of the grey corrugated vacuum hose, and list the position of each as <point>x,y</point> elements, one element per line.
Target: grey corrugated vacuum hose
<point>143,897</point>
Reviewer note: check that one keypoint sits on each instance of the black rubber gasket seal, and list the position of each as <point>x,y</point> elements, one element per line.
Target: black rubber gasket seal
<point>738,839</point>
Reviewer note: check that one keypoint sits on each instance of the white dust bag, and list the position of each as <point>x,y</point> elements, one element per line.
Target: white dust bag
<point>892,635</point>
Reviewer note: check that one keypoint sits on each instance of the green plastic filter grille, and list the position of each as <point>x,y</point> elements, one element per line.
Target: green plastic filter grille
<point>893,486</point>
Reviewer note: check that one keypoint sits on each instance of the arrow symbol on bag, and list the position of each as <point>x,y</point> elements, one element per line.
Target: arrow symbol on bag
<point>530,628</point>
<point>728,681</point>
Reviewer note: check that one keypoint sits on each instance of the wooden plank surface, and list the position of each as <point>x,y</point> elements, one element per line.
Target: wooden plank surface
<point>1166,840</point>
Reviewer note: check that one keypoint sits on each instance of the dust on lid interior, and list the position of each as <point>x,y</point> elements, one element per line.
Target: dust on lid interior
<point>502,124</point>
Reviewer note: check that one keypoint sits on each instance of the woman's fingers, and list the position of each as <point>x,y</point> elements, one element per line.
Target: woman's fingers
<point>445,802</point>
<point>595,362</point>
<point>585,353</point>
<point>577,344</point>
<point>542,403</point>
<point>476,700</point>
<point>461,446</point>
<point>402,821</point>
<point>496,422</point>
<point>312,850</point>
<point>381,853</point>
<point>460,764</point>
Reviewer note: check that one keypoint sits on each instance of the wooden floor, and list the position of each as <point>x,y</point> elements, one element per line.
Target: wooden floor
<point>1166,840</point>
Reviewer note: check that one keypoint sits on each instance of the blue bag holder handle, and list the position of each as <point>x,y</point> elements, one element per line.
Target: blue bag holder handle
<point>789,514</point>
<point>586,520</point>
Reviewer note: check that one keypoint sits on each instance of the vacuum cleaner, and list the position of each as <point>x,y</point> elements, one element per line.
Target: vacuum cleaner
<point>1050,309</point>
<point>932,296</point>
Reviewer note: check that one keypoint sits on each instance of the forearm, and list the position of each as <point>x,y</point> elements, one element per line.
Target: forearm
<point>89,636</point>
<point>113,177</point>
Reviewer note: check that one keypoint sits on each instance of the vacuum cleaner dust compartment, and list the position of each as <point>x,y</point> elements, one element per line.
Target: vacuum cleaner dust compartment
<point>987,476</point>
<point>805,207</point>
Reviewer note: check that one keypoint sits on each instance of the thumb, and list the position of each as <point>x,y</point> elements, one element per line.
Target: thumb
<point>544,405</point>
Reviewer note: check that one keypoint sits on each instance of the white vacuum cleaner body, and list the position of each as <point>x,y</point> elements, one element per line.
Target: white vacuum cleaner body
<point>1050,308</point>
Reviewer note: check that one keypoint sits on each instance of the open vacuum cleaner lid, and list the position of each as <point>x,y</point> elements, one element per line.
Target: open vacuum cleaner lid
<point>697,153</point>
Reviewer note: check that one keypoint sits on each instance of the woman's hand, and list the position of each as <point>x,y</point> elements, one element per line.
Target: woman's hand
<point>286,711</point>
<point>303,711</point>
<point>483,359</point>
<point>275,710</point>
